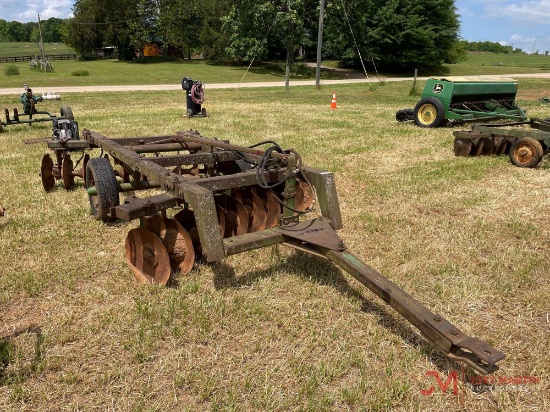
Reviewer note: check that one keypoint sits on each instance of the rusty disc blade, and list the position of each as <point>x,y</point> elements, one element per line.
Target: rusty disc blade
<point>462,147</point>
<point>488,147</point>
<point>234,219</point>
<point>245,200</point>
<point>259,215</point>
<point>186,218</point>
<point>243,217</point>
<point>153,223</point>
<point>46,173</point>
<point>179,246</point>
<point>477,148</point>
<point>67,172</point>
<point>501,145</point>
<point>239,215</point>
<point>273,210</point>
<point>304,195</point>
<point>147,256</point>
<point>226,226</point>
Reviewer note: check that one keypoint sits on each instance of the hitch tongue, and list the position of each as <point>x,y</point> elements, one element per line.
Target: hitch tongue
<point>318,237</point>
<point>455,344</point>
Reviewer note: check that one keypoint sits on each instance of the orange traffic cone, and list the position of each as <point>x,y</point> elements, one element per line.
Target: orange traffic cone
<point>333,104</point>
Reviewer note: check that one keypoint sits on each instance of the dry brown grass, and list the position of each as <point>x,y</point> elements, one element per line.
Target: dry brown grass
<point>275,329</point>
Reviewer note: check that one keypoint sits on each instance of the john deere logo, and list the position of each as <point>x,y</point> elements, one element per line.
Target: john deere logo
<point>438,88</point>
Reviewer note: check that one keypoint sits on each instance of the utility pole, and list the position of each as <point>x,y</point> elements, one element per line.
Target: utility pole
<point>42,53</point>
<point>287,68</point>
<point>319,45</point>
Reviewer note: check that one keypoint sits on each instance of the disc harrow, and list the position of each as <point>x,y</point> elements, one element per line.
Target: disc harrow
<point>526,143</point>
<point>212,199</point>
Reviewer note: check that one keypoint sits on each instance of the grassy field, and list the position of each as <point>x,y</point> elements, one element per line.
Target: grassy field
<point>275,329</point>
<point>114,72</point>
<point>13,49</point>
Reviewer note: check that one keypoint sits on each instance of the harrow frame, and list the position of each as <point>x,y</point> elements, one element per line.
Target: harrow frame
<point>201,172</point>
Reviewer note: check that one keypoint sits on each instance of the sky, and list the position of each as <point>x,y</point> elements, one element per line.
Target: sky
<point>520,24</point>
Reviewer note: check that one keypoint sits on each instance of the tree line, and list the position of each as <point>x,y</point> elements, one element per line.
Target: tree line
<point>391,34</point>
<point>487,46</point>
<point>53,31</point>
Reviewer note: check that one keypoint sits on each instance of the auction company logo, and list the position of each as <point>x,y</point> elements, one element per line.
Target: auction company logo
<point>478,383</point>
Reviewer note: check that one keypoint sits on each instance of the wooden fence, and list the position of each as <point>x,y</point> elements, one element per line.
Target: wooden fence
<point>67,56</point>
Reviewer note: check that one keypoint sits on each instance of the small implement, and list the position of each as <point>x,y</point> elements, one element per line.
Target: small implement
<point>30,113</point>
<point>229,199</point>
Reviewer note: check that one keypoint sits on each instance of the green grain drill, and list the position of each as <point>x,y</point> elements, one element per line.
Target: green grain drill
<point>462,99</point>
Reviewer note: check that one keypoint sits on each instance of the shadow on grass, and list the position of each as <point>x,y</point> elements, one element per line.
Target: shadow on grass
<point>328,274</point>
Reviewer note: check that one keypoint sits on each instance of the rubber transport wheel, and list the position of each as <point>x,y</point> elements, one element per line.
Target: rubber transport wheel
<point>429,112</point>
<point>67,112</point>
<point>526,152</point>
<point>100,174</point>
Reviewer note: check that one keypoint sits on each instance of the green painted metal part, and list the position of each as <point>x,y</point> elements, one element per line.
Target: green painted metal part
<point>466,99</point>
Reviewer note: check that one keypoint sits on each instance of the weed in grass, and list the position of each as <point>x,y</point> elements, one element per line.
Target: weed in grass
<point>81,72</point>
<point>11,70</point>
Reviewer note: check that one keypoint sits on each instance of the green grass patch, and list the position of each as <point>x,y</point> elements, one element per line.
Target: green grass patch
<point>81,72</point>
<point>15,49</point>
<point>11,70</point>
